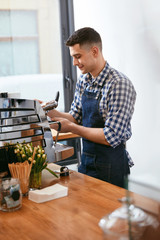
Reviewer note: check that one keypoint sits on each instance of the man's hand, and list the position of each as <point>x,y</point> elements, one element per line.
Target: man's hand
<point>38,101</point>
<point>65,124</point>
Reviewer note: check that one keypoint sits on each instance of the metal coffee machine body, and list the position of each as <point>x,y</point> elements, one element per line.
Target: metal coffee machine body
<point>25,121</point>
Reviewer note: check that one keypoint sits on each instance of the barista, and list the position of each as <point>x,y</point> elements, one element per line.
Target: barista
<point>101,110</point>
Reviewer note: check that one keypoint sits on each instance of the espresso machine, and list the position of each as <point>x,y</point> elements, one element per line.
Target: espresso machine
<point>25,121</point>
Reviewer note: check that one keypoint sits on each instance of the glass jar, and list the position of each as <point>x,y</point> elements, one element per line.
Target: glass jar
<point>24,182</point>
<point>10,194</point>
<point>125,223</point>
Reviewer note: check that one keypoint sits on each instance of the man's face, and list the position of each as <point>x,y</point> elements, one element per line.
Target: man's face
<point>83,58</point>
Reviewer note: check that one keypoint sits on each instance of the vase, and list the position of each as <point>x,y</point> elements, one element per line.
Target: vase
<point>35,180</point>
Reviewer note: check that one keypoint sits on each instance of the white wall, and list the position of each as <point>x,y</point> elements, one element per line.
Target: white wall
<point>130,31</point>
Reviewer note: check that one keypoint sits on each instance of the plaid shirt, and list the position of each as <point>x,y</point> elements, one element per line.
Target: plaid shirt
<point>116,105</point>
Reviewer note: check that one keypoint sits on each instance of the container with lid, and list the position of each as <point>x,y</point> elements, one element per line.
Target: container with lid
<point>126,223</point>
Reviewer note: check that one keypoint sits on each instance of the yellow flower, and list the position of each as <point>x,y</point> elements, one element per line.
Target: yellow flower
<point>30,159</point>
<point>16,150</point>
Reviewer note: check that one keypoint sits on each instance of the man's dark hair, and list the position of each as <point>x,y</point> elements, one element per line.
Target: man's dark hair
<point>83,36</point>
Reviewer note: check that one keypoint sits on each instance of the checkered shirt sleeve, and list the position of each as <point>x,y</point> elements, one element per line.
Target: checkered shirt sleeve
<point>120,106</point>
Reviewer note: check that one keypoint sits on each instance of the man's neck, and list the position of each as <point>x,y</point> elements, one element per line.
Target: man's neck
<point>99,69</point>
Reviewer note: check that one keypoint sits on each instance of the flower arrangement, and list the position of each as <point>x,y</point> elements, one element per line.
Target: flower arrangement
<point>35,157</point>
<point>26,152</point>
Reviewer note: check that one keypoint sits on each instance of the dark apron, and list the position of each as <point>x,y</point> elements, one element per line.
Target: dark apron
<point>98,160</point>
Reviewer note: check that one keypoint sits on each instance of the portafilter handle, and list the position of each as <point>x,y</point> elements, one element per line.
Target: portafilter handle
<point>52,104</point>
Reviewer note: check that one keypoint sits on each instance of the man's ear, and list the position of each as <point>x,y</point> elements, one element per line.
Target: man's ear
<point>95,51</point>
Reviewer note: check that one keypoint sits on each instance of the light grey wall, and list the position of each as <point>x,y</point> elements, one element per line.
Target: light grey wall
<point>130,32</point>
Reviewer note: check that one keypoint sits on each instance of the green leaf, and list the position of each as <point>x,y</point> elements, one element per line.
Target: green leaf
<point>53,173</point>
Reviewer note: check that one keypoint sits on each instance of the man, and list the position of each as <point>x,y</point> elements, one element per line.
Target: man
<point>101,110</point>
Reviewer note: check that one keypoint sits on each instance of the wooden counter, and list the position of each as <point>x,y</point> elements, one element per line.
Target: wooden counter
<point>74,217</point>
<point>64,136</point>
